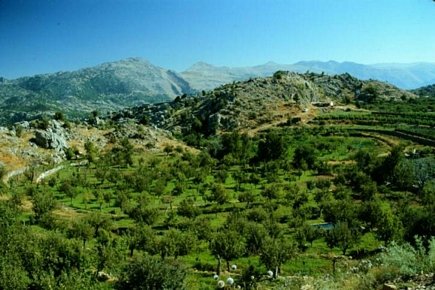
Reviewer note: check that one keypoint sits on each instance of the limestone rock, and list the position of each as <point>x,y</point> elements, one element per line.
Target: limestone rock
<point>50,140</point>
<point>389,287</point>
<point>53,138</point>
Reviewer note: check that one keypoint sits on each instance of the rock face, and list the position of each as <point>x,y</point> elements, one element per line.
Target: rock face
<point>53,138</point>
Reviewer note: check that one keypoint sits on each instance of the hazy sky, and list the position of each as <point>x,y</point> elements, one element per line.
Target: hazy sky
<point>42,36</point>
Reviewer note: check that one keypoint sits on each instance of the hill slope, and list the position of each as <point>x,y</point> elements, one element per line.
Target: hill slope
<point>406,76</point>
<point>427,91</point>
<point>109,86</point>
<point>134,82</point>
<point>260,102</point>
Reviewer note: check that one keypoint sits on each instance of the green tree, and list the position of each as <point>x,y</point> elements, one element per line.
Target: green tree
<point>144,213</point>
<point>219,194</point>
<point>371,93</point>
<point>3,171</point>
<point>272,147</point>
<point>19,131</point>
<point>228,245</point>
<point>305,157</point>
<point>271,192</point>
<point>247,196</point>
<point>177,243</point>
<point>187,209</point>
<point>108,252</point>
<point>254,235</point>
<point>141,237</point>
<point>168,149</point>
<point>43,203</point>
<point>68,190</point>
<point>344,210</point>
<point>306,233</point>
<point>150,273</point>
<point>389,227</point>
<point>59,116</point>
<point>98,221</point>
<point>342,236</point>
<point>386,170</point>
<point>57,256</point>
<point>423,171</point>
<point>91,151</point>
<point>275,252</point>
<point>82,230</point>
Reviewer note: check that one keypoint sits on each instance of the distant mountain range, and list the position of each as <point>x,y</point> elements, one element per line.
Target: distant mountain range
<point>405,76</point>
<point>135,81</point>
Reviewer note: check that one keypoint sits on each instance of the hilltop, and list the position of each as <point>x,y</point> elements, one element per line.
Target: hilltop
<point>261,102</point>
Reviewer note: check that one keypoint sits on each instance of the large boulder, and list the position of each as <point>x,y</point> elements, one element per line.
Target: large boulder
<point>50,140</point>
<point>53,138</point>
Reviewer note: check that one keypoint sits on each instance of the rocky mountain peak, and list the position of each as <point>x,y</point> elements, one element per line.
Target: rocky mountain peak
<point>107,87</point>
<point>200,66</point>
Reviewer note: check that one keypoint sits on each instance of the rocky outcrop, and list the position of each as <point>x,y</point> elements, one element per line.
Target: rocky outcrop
<point>54,137</point>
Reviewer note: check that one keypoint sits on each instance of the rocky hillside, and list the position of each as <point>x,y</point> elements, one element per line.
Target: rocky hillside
<point>260,102</point>
<point>109,86</point>
<point>428,91</point>
<point>135,82</point>
<point>204,76</point>
<point>250,106</point>
<point>49,142</point>
<point>405,76</point>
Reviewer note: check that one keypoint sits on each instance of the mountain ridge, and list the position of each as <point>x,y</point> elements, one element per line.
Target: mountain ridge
<point>404,75</point>
<point>135,81</point>
<point>106,87</point>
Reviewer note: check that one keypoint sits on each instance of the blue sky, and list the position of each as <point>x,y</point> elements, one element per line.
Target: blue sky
<point>44,36</point>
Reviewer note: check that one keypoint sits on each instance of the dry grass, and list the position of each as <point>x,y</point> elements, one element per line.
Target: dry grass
<point>66,212</point>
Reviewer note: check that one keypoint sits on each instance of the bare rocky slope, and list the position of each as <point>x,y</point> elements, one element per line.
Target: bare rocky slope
<point>259,102</point>
<point>109,86</point>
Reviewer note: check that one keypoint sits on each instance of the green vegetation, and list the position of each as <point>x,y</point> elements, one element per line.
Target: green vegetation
<point>264,210</point>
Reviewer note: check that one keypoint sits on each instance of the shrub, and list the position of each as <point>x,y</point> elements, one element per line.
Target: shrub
<point>152,273</point>
<point>406,260</point>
